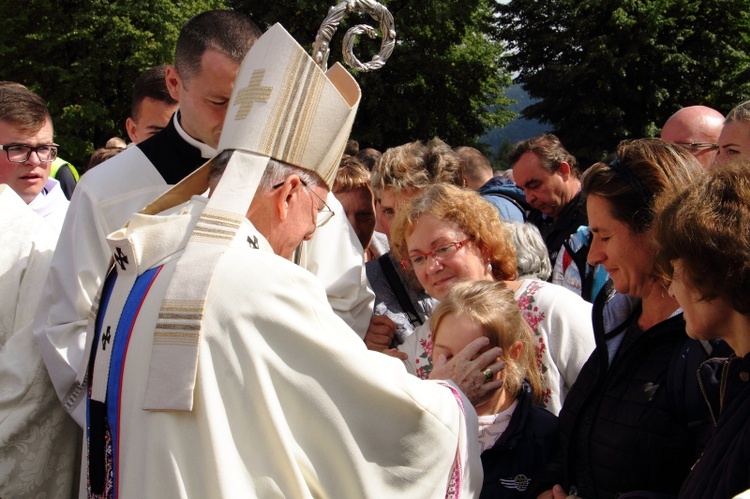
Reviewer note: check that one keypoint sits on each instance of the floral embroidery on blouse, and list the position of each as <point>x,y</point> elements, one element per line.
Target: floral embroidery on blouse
<point>533,317</point>
<point>424,361</point>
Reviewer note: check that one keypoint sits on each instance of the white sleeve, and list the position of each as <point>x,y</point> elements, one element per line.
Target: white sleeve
<point>24,261</point>
<point>104,199</point>
<point>335,256</point>
<point>571,334</point>
<point>79,262</point>
<point>34,428</point>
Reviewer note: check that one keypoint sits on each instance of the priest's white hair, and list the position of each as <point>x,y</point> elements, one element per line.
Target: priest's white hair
<point>276,171</point>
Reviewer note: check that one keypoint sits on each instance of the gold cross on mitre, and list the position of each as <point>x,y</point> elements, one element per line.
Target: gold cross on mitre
<point>251,94</point>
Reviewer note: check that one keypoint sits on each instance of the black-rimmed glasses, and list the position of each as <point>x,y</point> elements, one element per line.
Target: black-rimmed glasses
<point>20,153</point>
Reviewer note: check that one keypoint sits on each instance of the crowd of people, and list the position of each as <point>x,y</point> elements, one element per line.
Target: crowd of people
<point>241,302</point>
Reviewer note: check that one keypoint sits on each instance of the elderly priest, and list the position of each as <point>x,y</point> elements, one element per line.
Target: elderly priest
<point>217,366</point>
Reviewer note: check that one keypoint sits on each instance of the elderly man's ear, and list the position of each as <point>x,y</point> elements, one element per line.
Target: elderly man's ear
<point>287,194</point>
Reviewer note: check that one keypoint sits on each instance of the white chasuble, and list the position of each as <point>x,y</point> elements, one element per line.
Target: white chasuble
<point>288,401</point>
<point>103,201</point>
<point>38,440</point>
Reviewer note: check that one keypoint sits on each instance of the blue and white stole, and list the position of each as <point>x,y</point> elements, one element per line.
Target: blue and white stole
<point>117,314</point>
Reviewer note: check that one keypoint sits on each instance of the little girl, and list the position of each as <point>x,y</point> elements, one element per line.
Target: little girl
<point>516,436</point>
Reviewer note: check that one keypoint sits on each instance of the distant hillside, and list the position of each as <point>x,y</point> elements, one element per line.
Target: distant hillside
<point>518,129</point>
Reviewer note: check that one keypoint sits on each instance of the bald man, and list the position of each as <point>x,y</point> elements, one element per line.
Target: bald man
<point>696,128</point>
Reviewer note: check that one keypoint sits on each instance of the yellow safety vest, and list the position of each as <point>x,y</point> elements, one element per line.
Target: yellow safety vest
<point>57,163</point>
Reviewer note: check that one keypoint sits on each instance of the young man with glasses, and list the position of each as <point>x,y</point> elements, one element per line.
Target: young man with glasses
<point>35,428</point>
<point>27,151</point>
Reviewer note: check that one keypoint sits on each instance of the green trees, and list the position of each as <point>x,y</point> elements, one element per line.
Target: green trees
<point>606,70</point>
<point>602,70</point>
<point>445,77</point>
<point>83,56</point>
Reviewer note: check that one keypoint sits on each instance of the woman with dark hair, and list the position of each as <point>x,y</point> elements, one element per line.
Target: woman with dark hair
<point>634,420</point>
<point>710,222</point>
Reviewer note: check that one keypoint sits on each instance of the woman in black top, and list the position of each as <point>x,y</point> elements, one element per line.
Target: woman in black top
<point>634,420</point>
<point>710,222</point>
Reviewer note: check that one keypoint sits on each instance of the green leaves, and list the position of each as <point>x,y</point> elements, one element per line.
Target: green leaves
<point>446,76</point>
<point>608,70</point>
<point>83,56</point>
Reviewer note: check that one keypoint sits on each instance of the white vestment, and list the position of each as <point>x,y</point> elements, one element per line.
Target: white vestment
<point>51,205</point>
<point>288,401</point>
<point>341,268</point>
<point>103,201</point>
<point>38,440</point>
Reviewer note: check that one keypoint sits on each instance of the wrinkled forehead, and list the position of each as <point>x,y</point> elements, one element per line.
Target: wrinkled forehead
<point>529,169</point>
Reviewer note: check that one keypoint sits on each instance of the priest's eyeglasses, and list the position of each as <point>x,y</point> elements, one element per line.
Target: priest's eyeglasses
<point>324,214</point>
<point>698,145</point>
<point>20,153</point>
<point>444,252</point>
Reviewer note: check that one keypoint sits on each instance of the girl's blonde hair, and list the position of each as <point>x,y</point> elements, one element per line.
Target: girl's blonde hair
<point>493,306</point>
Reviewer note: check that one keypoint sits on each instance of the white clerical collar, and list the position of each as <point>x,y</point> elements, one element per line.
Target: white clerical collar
<point>49,185</point>
<point>206,150</point>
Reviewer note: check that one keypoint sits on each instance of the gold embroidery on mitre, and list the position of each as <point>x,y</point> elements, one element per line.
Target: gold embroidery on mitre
<point>299,89</point>
<point>287,133</point>
<point>254,92</point>
<point>301,124</point>
<point>283,102</point>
